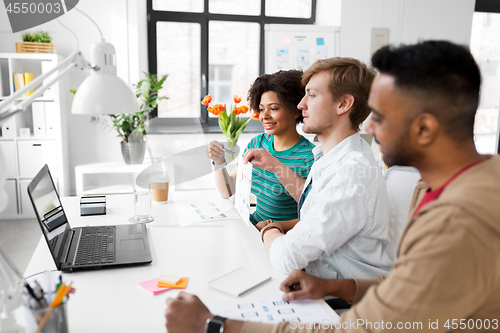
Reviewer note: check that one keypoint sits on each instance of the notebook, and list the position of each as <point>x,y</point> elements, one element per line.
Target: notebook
<point>84,247</point>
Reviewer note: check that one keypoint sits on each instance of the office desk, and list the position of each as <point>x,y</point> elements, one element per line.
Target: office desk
<point>109,300</point>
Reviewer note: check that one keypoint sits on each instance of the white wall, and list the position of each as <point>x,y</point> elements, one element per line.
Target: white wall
<point>123,24</point>
<point>408,22</point>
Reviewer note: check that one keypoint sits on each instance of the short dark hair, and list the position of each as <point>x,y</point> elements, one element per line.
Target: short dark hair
<point>347,76</point>
<point>286,84</point>
<point>443,76</point>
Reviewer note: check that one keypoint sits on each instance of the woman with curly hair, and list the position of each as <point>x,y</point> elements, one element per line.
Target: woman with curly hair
<point>275,98</point>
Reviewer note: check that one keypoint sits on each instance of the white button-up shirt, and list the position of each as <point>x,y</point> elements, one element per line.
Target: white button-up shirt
<point>344,220</point>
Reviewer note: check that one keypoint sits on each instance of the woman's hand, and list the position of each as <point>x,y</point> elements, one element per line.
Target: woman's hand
<point>262,224</point>
<point>215,152</point>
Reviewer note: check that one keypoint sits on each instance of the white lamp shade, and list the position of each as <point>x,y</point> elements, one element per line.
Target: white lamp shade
<point>104,94</point>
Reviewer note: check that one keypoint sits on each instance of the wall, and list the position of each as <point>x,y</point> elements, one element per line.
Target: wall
<point>408,22</point>
<point>123,24</point>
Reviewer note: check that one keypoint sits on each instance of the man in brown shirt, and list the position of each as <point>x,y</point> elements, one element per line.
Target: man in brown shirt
<point>447,273</point>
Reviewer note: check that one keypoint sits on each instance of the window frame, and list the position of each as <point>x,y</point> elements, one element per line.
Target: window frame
<point>208,124</point>
<point>489,6</point>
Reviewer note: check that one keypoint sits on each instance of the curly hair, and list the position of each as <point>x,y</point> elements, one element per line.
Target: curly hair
<point>286,84</point>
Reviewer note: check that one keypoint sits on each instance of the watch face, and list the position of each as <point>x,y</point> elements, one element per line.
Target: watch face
<point>214,327</point>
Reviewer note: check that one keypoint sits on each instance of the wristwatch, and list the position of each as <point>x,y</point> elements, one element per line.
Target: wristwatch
<point>216,167</point>
<point>215,325</point>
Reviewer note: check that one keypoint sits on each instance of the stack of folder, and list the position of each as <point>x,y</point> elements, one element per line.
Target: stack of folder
<point>22,79</point>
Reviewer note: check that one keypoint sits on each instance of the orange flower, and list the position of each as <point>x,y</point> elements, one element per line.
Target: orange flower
<point>236,99</point>
<point>240,110</point>
<point>218,108</point>
<point>206,100</point>
<point>255,115</point>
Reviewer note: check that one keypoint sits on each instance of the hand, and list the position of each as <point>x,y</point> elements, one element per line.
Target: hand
<point>301,285</point>
<point>261,159</point>
<point>215,152</point>
<point>262,224</point>
<point>186,313</point>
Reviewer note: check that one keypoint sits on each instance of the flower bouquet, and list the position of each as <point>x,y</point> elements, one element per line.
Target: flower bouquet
<point>231,124</point>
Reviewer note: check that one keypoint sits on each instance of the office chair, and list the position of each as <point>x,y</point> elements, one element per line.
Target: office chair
<point>400,182</point>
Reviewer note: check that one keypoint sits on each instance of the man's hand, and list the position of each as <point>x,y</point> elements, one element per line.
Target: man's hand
<point>301,285</point>
<point>261,159</point>
<point>186,313</point>
<point>215,152</point>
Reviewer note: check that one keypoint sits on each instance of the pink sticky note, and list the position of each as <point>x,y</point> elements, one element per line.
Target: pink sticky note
<point>287,40</point>
<point>151,287</point>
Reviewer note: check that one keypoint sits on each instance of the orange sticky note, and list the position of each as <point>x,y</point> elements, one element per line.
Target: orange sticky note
<point>179,285</point>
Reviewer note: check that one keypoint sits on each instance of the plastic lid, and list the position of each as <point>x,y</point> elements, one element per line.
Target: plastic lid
<point>159,179</point>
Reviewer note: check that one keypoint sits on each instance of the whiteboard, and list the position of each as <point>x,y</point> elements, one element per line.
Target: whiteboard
<point>296,46</point>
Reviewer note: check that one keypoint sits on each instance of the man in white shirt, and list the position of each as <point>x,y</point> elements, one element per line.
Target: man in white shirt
<point>343,209</point>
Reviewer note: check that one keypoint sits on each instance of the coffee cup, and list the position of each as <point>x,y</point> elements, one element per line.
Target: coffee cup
<point>159,187</point>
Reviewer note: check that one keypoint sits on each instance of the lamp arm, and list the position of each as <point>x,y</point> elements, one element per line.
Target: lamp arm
<point>74,59</point>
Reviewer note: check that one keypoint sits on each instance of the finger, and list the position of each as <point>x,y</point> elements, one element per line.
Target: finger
<point>183,296</point>
<point>169,300</point>
<point>296,295</point>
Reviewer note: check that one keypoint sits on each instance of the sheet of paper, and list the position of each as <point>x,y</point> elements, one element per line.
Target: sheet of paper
<point>197,212</point>
<point>274,310</point>
<point>243,189</point>
<point>239,281</point>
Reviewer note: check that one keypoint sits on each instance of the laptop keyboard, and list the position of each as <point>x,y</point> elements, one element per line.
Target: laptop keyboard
<point>97,246</point>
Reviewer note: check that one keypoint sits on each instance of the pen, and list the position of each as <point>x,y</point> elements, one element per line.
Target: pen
<point>32,293</point>
<point>228,151</point>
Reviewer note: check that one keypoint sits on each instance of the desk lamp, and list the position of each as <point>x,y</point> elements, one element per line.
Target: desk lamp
<point>11,286</point>
<point>102,92</point>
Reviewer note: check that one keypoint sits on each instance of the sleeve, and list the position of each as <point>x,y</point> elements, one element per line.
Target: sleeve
<point>362,286</point>
<point>308,163</point>
<point>335,216</point>
<point>444,272</point>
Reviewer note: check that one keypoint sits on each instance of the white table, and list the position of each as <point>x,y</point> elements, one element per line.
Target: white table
<point>111,301</point>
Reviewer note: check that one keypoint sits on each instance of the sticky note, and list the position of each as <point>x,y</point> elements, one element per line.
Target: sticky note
<point>152,287</point>
<point>320,41</point>
<point>170,279</point>
<point>287,40</point>
<point>180,285</point>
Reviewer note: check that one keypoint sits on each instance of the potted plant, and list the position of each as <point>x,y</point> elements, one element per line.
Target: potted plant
<point>131,127</point>
<point>38,42</point>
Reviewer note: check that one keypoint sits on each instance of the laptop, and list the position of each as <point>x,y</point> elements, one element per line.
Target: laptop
<point>87,247</point>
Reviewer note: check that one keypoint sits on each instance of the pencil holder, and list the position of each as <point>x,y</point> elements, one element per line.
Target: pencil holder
<point>49,320</point>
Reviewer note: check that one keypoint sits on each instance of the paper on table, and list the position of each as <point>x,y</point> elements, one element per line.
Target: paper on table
<point>243,190</point>
<point>274,310</point>
<point>189,213</point>
<point>151,286</point>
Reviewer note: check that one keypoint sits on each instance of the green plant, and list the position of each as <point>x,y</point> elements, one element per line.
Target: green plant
<point>38,37</point>
<point>131,126</point>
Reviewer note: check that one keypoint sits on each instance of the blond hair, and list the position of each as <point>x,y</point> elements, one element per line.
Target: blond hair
<point>348,76</point>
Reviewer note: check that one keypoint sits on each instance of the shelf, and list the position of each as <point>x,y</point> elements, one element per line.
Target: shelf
<point>38,99</point>
<point>30,56</point>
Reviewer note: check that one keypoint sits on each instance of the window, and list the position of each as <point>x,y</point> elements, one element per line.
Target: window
<point>211,46</point>
<point>485,46</point>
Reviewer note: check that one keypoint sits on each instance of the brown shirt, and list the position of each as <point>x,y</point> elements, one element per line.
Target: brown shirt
<point>447,273</point>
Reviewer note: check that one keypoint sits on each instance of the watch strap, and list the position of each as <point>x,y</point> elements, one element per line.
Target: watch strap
<point>215,325</point>
<point>216,167</point>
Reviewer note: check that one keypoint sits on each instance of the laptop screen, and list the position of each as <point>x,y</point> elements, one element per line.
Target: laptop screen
<point>49,211</point>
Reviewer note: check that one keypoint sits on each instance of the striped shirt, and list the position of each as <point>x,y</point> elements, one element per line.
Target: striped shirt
<point>273,200</point>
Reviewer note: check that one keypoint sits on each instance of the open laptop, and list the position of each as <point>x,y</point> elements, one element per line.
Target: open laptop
<point>84,247</point>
